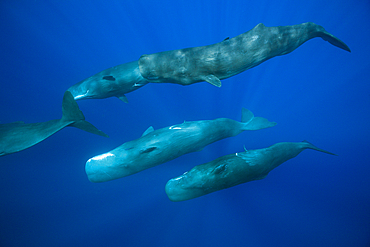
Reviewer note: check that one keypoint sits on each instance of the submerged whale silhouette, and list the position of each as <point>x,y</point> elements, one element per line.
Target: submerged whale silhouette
<point>17,136</point>
<point>230,57</point>
<point>159,146</point>
<point>233,169</point>
<point>210,63</point>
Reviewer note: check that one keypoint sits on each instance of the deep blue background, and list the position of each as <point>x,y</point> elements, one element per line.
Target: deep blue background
<point>317,93</point>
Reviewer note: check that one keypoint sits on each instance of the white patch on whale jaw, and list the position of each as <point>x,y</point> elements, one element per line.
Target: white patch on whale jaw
<point>102,156</point>
<point>81,95</point>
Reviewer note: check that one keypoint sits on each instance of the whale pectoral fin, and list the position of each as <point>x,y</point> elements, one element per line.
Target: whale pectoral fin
<point>149,130</point>
<point>123,98</point>
<point>261,177</point>
<point>213,80</point>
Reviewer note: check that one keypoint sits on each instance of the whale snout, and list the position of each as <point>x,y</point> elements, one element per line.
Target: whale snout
<point>78,92</point>
<point>81,96</point>
<point>86,89</point>
<point>178,189</point>
<point>98,168</point>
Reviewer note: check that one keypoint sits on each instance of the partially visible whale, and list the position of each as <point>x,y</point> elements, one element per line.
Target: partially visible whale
<point>159,146</point>
<point>116,81</point>
<point>230,57</point>
<point>233,169</point>
<point>17,136</point>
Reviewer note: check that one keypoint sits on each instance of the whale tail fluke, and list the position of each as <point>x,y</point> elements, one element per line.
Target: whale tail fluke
<point>72,113</point>
<point>311,146</point>
<point>254,123</point>
<point>332,39</point>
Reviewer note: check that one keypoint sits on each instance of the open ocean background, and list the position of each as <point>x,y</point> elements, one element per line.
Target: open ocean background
<point>318,93</point>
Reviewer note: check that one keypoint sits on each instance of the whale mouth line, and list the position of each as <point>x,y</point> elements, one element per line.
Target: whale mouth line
<point>81,95</point>
<point>101,157</point>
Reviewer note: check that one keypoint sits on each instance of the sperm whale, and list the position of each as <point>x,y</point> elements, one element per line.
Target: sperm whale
<point>233,169</point>
<point>230,57</point>
<point>159,146</point>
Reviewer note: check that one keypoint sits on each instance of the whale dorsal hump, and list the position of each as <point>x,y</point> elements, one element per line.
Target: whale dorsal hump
<point>213,80</point>
<point>149,130</point>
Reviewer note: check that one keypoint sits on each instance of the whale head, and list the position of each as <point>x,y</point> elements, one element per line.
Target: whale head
<point>115,81</point>
<point>94,87</point>
<point>127,159</point>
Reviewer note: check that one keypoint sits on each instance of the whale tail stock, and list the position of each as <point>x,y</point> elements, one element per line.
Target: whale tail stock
<point>311,146</point>
<point>72,113</point>
<point>254,123</point>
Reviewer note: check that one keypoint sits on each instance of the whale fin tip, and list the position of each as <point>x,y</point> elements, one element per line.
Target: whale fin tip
<point>73,114</point>
<point>212,79</point>
<point>311,146</point>
<point>258,123</point>
<point>123,98</point>
<point>334,40</point>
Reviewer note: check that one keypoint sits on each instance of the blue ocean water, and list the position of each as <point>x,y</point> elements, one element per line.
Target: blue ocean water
<point>317,93</point>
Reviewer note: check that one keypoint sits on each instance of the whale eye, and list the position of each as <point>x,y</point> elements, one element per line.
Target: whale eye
<point>109,78</point>
<point>148,150</point>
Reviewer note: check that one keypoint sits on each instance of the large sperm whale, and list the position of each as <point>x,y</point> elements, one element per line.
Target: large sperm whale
<point>230,57</point>
<point>210,63</point>
<point>116,81</point>
<point>159,146</point>
<point>233,169</point>
<point>17,136</point>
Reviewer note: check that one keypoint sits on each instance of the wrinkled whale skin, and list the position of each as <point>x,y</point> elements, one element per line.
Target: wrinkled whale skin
<point>159,146</point>
<point>233,169</point>
<point>230,57</point>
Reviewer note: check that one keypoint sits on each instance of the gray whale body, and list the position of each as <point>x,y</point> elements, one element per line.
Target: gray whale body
<point>159,146</point>
<point>230,57</point>
<point>233,169</point>
<point>210,63</point>
<point>17,136</point>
